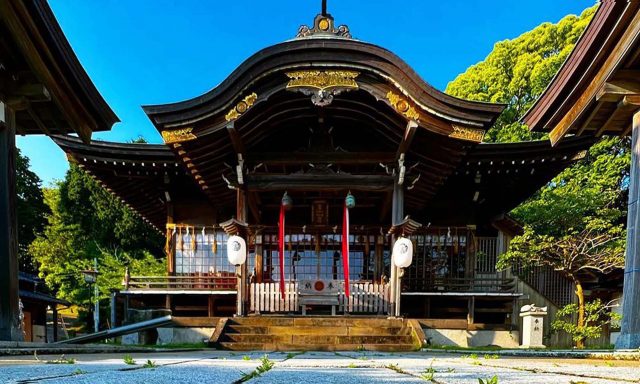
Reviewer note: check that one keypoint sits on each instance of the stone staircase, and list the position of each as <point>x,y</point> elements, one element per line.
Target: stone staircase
<point>316,334</point>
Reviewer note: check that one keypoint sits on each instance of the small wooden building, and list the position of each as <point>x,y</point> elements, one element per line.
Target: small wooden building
<point>36,301</point>
<point>317,118</point>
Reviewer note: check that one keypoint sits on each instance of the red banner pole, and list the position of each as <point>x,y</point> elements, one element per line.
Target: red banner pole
<point>281,249</point>
<point>345,249</point>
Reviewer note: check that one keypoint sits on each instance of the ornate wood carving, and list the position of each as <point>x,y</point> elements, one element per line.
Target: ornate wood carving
<point>403,106</point>
<point>178,135</point>
<point>241,107</point>
<point>469,134</point>
<point>322,85</point>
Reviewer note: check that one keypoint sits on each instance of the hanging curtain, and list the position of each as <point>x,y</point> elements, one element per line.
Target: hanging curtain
<point>281,248</point>
<point>345,249</point>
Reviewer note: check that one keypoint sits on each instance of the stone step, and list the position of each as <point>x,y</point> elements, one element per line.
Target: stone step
<point>350,331</point>
<point>314,339</point>
<point>255,338</point>
<point>316,347</point>
<point>317,321</point>
<point>261,321</point>
<point>309,330</point>
<point>249,329</point>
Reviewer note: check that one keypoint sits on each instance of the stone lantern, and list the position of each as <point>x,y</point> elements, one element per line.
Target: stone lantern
<point>532,326</point>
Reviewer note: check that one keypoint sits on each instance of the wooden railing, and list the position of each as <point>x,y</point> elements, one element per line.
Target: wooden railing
<point>195,282</point>
<point>463,284</point>
<point>365,298</point>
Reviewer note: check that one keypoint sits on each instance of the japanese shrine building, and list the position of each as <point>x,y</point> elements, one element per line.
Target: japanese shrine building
<point>319,117</point>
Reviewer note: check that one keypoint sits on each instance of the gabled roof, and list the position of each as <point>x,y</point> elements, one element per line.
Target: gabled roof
<point>41,76</point>
<point>590,94</point>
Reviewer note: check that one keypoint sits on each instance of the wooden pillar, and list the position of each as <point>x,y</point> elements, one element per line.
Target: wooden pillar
<point>630,332</point>
<point>10,329</point>
<point>471,311</point>
<point>397,215</point>
<point>55,322</point>
<point>171,252</point>
<point>241,215</point>
<point>259,259</point>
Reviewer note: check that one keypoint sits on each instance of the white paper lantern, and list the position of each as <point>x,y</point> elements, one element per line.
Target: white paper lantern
<point>402,252</point>
<point>236,250</point>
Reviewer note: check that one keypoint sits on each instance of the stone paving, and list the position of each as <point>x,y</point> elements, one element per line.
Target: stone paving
<point>314,367</point>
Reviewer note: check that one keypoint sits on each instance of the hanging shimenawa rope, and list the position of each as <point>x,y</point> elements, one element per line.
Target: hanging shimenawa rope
<point>193,239</point>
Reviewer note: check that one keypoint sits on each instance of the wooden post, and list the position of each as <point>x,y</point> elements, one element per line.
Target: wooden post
<point>397,214</point>
<point>241,215</point>
<point>10,329</point>
<point>471,311</point>
<point>630,332</point>
<point>55,322</point>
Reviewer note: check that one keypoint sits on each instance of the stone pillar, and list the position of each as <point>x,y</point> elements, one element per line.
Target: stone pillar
<point>10,328</point>
<point>630,332</point>
<point>532,326</point>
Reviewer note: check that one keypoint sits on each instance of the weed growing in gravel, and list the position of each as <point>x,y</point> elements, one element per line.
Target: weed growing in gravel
<point>394,367</point>
<point>62,360</point>
<point>150,364</point>
<point>265,366</point>
<point>493,380</point>
<point>352,365</point>
<point>609,364</point>
<point>246,358</point>
<point>79,372</point>
<point>428,373</point>
<point>129,360</point>
<point>491,357</point>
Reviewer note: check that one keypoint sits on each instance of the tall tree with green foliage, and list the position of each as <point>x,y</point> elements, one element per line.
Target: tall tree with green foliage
<point>87,222</point>
<point>517,71</point>
<point>575,224</point>
<point>31,211</point>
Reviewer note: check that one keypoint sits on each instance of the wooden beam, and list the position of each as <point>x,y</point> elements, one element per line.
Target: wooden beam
<point>315,182</point>
<point>614,90</point>
<point>605,72</point>
<point>236,140</point>
<point>407,138</point>
<point>622,113</point>
<point>589,118</point>
<point>292,158</point>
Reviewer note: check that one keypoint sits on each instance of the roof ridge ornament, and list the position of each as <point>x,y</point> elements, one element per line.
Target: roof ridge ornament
<point>324,26</point>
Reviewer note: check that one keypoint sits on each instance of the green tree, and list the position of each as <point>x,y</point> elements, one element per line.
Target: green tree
<point>517,71</point>
<point>87,222</point>
<point>31,211</point>
<point>576,223</point>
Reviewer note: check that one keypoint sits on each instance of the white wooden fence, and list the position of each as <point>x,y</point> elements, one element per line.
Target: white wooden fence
<point>364,298</point>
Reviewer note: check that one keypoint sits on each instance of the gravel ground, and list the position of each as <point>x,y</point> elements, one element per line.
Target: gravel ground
<point>314,367</point>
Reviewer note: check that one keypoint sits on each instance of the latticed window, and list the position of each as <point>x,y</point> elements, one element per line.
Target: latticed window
<point>204,254</point>
<point>318,256</point>
<point>439,254</point>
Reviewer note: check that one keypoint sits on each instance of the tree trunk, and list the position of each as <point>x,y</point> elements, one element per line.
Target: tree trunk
<point>580,294</point>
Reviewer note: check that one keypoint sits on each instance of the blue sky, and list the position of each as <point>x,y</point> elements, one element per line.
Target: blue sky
<point>158,51</point>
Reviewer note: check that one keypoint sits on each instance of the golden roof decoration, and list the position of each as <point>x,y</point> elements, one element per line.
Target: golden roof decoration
<point>403,106</point>
<point>178,136</point>
<point>242,106</point>
<point>466,133</point>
